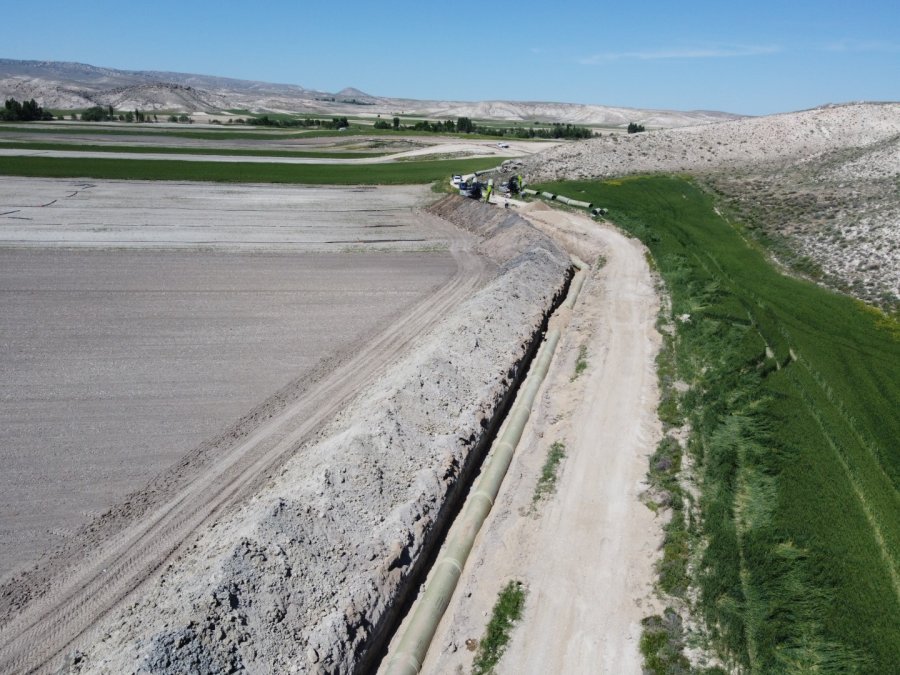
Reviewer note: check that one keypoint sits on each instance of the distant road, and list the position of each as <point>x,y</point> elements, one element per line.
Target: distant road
<point>468,149</point>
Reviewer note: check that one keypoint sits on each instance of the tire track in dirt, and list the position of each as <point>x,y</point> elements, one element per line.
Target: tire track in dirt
<point>79,597</point>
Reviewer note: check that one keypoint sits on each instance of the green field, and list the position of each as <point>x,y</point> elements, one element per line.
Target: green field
<point>251,132</point>
<point>232,132</point>
<point>241,172</point>
<point>793,401</point>
<point>236,152</point>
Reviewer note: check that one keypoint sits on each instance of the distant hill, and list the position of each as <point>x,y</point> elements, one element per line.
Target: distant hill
<point>64,85</point>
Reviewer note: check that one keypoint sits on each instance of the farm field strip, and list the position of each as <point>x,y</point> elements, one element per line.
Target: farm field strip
<point>144,149</point>
<point>240,133</point>
<point>413,172</point>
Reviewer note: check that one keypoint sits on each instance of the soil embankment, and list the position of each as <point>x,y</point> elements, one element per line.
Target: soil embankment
<point>307,575</point>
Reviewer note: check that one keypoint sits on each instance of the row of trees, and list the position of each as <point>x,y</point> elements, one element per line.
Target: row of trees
<point>99,113</point>
<point>13,111</point>
<point>27,111</point>
<point>266,121</point>
<point>465,125</point>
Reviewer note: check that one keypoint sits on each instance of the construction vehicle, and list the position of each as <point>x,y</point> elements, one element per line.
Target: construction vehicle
<point>471,188</point>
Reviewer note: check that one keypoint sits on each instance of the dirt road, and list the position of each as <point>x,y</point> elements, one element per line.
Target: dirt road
<point>586,553</point>
<point>51,617</point>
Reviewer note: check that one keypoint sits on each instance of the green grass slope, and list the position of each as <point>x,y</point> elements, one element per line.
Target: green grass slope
<point>794,400</point>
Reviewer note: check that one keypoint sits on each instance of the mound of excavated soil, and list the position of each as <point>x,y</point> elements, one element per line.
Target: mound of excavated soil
<point>307,576</point>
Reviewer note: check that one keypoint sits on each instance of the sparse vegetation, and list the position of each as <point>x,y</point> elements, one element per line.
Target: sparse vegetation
<point>546,484</point>
<point>507,611</point>
<point>662,645</point>
<point>581,362</point>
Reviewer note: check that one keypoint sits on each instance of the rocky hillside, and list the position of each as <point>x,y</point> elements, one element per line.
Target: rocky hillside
<point>821,186</point>
<point>63,85</point>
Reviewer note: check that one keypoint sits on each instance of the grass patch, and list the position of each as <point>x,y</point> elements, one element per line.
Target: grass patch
<point>581,362</point>
<point>662,645</point>
<point>507,611</point>
<point>791,395</point>
<point>168,150</point>
<point>663,477</point>
<point>546,484</point>
<point>239,172</point>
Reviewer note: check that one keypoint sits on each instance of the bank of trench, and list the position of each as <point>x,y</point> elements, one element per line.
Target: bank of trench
<point>310,575</point>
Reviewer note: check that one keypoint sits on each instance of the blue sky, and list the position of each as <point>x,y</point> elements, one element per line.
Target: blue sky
<point>751,57</point>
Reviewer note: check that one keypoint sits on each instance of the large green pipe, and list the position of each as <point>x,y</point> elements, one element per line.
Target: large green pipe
<point>578,204</point>
<point>573,202</point>
<point>410,653</point>
<point>577,283</point>
<point>407,659</point>
<point>529,192</point>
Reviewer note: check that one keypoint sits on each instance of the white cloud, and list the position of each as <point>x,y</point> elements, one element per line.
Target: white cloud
<point>681,53</point>
<point>848,45</point>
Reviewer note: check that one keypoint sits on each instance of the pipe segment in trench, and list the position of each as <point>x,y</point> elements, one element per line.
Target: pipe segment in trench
<point>407,659</point>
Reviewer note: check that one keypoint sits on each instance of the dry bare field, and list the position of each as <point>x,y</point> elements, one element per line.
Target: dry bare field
<point>349,478</point>
<point>139,322</point>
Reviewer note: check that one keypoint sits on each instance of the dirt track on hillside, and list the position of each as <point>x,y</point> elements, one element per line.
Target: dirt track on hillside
<point>51,617</point>
<point>585,554</point>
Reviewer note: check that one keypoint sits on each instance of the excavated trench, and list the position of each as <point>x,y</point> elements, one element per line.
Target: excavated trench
<point>456,498</point>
